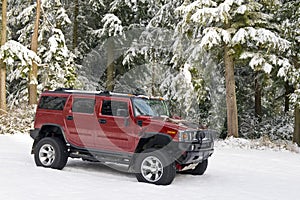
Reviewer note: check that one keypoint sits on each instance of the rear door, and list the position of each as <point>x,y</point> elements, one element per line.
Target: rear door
<point>81,121</point>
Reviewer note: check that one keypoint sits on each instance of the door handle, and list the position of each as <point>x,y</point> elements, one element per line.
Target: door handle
<point>102,121</point>
<point>70,117</point>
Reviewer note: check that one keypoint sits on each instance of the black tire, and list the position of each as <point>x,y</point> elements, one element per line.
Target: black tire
<point>51,153</point>
<point>199,169</point>
<point>164,169</point>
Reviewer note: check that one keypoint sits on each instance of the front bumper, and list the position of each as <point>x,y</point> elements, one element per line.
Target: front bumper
<point>189,153</point>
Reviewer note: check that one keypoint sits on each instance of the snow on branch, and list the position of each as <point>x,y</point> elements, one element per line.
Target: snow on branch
<point>57,47</point>
<point>242,9</point>
<point>112,25</point>
<point>291,74</point>
<point>262,61</point>
<point>265,36</point>
<point>26,15</point>
<point>207,12</point>
<point>13,51</point>
<point>214,36</point>
<point>192,7</point>
<point>260,36</point>
<point>63,16</point>
<point>295,97</point>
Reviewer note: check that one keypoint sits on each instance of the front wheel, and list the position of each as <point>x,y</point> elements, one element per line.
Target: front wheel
<point>51,153</point>
<point>155,166</point>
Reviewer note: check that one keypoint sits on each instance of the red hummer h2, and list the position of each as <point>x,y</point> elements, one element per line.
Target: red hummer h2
<point>118,128</point>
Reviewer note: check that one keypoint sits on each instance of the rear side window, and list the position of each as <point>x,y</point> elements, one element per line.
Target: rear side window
<point>81,105</point>
<point>52,103</point>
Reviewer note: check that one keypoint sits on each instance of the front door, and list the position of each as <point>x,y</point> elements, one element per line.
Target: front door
<point>117,128</point>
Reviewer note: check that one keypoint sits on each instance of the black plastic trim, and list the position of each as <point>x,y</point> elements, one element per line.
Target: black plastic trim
<point>34,133</point>
<point>100,155</point>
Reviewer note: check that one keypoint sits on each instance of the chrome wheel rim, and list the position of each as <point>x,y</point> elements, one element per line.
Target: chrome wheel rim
<point>47,155</point>
<point>152,169</point>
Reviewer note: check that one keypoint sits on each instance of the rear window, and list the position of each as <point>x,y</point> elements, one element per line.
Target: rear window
<point>81,105</point>
<point>52,103</point>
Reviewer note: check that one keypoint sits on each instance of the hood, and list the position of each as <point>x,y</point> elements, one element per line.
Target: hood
<point>176,124</point>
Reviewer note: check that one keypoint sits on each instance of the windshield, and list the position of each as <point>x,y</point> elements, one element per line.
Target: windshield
<point>150,107</point>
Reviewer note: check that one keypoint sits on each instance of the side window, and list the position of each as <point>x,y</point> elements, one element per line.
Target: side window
<point>81,105</point>
<point>115,108</point>
<point>52,103</point>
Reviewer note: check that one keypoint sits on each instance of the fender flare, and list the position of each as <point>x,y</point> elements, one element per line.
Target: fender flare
<point>38,134</point>
<point>150,140</point>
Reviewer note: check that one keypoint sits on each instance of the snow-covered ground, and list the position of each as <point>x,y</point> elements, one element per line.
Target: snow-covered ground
<point>233,173</point>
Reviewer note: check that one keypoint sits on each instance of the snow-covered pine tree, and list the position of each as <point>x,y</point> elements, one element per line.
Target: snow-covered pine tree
<point>59,68</point>
<point>184,82</point>
<point>87,22</point>
<point>238,30</point>
<point>18,59</point>
<point>152,68</point>
<point>121,21</point>
<point>53,23</point>
<point>289,16</point>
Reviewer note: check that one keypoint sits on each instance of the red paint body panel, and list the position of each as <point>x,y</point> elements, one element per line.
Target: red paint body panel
<point>98,131</point>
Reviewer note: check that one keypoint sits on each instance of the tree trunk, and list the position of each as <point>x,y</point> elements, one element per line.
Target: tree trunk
<point>286,99</point>
<point>3,106</point>
<point>296,136</point>
<point>153,80</point>
<point>232,116</point>
<point>258,90</point>
<point>288,90</point>
<point>75,24</point>
<point>34,69</point>
<point>110,65</point>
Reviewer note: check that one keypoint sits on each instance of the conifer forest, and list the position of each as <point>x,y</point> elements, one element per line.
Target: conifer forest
<point>231,65</point>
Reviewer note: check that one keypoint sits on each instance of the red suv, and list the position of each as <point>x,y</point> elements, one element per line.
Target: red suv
<point>129,129</point>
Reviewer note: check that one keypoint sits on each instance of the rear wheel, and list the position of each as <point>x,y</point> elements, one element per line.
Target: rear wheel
<point>154,166</point>
<point>51,153</point>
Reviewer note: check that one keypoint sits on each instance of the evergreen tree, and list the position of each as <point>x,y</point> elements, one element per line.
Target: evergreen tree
<point>289,16</point>
<point>52,47</point>
<point>237,30</point>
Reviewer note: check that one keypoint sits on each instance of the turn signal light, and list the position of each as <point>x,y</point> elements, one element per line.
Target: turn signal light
<point>172,132</point>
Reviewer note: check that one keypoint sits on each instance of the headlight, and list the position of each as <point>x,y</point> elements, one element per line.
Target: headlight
<point>191,136</point>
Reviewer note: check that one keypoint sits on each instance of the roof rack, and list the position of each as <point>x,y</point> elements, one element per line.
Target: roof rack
<point>104,93</point>
<point>83,91</point>
<point>71,90</point>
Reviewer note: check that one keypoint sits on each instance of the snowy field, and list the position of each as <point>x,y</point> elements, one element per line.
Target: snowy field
<point>232,173</point>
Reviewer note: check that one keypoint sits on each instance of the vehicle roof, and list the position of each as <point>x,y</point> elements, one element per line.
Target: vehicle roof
<point>98,93</point>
